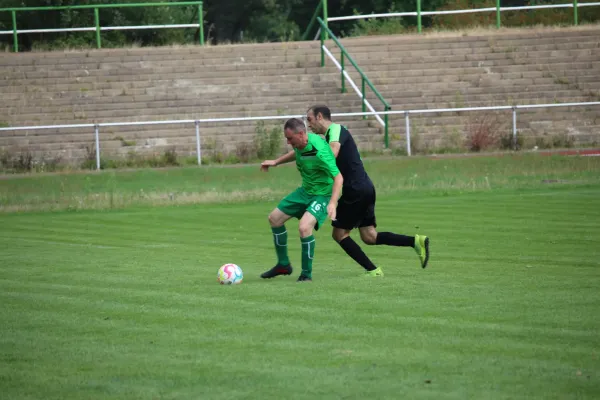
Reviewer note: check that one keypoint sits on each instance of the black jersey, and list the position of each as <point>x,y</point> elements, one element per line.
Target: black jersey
<point>348,160</point>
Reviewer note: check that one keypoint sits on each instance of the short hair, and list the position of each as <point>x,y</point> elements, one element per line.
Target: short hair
<point>295,124</point>
<point>323,110</point>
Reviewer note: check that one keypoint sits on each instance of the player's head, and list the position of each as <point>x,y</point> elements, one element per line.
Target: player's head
<point>295,133</point>
<point>318,118</point>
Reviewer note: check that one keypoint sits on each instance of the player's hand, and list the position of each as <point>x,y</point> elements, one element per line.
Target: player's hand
<point>264,166</point>
<point>331,210</point>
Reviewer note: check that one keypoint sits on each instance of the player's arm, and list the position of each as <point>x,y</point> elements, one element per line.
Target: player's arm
<point>335,148</point>
<point>338,180</point>
<point>334,139</point>
<point>286,158</point>
<point>336,191</point>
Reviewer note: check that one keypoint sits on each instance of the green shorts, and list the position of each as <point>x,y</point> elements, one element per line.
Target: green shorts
<point>299,201</point>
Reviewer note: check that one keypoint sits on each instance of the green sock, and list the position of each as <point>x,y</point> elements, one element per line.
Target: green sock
<point>308,253</point>
<point>280,241</point>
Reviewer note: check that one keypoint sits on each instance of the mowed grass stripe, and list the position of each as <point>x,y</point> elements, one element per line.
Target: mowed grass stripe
<point>169,304</point>
<point>507,308</point>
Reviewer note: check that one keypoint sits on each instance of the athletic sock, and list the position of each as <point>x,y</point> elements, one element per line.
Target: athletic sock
<point>392,239</point>
<point>308,253</point>
<point>355,252</point>
<point>280,241</point>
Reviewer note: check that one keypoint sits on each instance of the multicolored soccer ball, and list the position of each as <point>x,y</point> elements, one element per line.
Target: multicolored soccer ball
<point>230,274</point>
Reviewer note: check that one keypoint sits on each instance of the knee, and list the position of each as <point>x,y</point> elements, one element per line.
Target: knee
<point>273,220</point>
<point>338,235</point>
<point>306,229</point>
<point>369,237</point>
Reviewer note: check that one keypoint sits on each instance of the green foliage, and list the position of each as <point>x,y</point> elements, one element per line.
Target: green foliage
<point>273,27</point>
<point>507,142</point>
<point>268,140</point>
<point>25,161</point>
<point>380,26</point>
<point>551,16</point>
<point>108,17</point>
<point>556,141</point>
<point>252,20</point>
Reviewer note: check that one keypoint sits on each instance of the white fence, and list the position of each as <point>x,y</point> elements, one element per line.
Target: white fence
<point>198,122</point>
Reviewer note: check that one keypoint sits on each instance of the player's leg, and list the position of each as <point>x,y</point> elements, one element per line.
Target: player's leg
<point>342,237</point>
<point>420,243</point>
<point>307,241</point>
<point>277,219</point>
<point>287,208</point>
<point>370,236</point>
<point>349,212</point>
<point>313,218</point>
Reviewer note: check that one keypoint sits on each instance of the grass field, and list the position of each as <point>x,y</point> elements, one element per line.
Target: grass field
<point>108,286</point>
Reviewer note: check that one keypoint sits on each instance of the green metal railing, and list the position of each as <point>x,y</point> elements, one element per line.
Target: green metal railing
<point>497,9</point>
<point>325,31</point>
<point>97,27</point>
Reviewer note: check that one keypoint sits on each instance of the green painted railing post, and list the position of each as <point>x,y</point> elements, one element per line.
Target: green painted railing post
<point>364,105</point>
<point>201,22</point>
<point>343,80</point>
<point>575,16</point>
<point>498,14</point>
<point>386,137</point>
<point>97,21</point>
<point>419,16</point>
<point>325,17</point>
<point>15,39</point>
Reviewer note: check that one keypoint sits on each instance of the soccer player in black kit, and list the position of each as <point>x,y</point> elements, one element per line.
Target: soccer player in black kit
<point>356,206</point>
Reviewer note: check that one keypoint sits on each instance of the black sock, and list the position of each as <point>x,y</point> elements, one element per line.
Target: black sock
<point>354,251</point>
<point>392,239</point>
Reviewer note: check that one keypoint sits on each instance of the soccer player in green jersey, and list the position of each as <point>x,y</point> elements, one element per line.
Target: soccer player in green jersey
<point>311,203</point>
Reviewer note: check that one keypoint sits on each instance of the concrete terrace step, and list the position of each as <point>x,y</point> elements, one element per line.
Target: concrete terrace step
<point>508,35</point>
<point>146,73</point>
<point>164,53</point>
<point>471,54</point>
<point>482,48</point>
<point>434,67</point>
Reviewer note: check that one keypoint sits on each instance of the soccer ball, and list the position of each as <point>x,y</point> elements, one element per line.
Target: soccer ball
<point>230,274</point>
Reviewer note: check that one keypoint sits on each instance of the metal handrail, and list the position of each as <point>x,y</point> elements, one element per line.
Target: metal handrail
<point>97,26</point>
<point>364,80</point>
<point>197,122</point>
<point>498,9</point>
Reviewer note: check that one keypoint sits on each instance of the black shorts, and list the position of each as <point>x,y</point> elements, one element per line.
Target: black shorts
<point>356,209</point>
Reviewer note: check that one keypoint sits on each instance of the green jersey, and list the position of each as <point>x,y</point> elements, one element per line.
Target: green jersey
<point>316,164</point>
